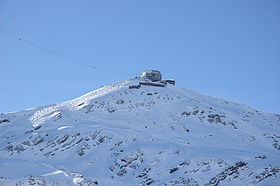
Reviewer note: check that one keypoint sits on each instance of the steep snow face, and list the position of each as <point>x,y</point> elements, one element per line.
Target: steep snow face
<point>146,136</point>
<point>47,113</point>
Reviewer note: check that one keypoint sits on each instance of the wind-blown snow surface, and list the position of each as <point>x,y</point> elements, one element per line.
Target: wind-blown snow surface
<point>147,136</point>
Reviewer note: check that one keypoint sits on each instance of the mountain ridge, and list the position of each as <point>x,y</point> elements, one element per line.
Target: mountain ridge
<point>142,136</point>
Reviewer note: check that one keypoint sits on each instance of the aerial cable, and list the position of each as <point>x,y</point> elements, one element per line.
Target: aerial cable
<point>90,57</point>
<point>66,58</point>
<point>82,53</point>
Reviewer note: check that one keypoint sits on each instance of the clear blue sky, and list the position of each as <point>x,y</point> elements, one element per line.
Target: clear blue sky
<point>227,49</point>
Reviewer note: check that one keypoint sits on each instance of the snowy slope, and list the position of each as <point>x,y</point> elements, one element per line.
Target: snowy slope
<point>147,136</point>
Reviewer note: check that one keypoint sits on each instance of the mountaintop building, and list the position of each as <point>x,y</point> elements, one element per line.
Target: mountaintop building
<point>153,75</point>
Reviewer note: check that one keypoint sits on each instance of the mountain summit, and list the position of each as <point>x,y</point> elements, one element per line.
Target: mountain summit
<point>140,132</point>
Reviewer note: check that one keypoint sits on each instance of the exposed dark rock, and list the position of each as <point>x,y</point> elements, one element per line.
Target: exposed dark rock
<point>27,143</point>
<point>120,101</point>
<point>186,113</point>
<point>28,132</point>
<point>19,148</point>
<point>147,181</point>
<point>36,181</point>
<point>275,139</point>
<point>232,170</point>
<point>111,110</point>
<point>9,148</point>
<point>214,118</point>
<point>37,139</point>
<point>59,115</point>
<point>81,104</point>
<point>173,170</point>
<point>63,139</point>
<point>144,172</point>
<point>37,127</point>
<point>129,162</point>
<point>185,163</point>
<point>267,173</point>
<point>182,181</point>
<point>4,121</point>
<point>81,152</point>
<point>261,157</point>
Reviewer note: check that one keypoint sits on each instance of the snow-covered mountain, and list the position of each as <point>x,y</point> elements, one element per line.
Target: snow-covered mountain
<point>140,136</point>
